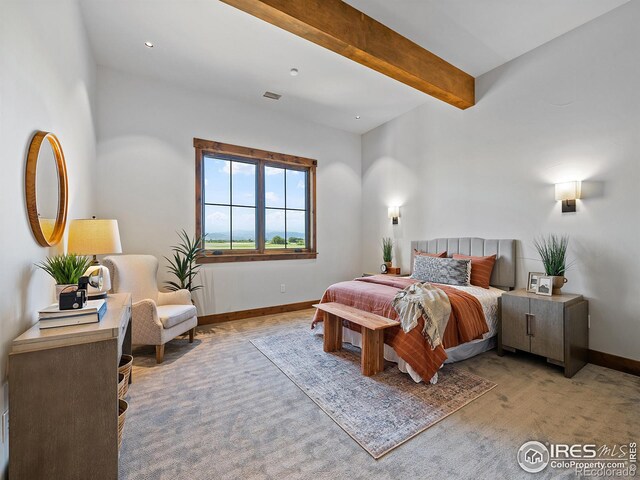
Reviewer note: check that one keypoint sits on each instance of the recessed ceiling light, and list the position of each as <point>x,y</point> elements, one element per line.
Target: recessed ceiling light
<point>294,72</point>
<point>148,44</point>
<point>357,117</point>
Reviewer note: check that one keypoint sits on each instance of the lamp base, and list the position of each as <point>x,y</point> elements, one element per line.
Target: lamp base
<point>102,284</point>
<point>97,296</point>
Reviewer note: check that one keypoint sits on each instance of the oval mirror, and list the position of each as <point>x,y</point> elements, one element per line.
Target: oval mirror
<point>46,189</point>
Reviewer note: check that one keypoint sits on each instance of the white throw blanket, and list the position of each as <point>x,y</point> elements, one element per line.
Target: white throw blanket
<point>426,301</point>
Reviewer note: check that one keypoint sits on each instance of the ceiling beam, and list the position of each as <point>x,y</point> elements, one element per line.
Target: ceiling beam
<point>337,26</point>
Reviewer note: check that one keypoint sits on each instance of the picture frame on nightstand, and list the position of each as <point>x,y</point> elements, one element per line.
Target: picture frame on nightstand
<point>532,282</point>
<point>544,286</point>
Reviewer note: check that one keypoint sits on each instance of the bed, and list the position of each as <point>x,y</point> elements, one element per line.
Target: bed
<point>465,337</point>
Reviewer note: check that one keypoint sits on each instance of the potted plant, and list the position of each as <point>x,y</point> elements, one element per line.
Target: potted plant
<point>553,252</point>
<point>387,251</point>
<point>183,264</point>
<point>66,269</point>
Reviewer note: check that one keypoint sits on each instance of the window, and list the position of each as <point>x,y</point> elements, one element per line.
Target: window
<point>254,205</point>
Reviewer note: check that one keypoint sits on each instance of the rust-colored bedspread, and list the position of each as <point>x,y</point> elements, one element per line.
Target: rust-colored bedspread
<point>375,294</point>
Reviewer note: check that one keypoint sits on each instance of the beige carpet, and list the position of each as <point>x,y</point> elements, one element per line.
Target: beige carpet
<point>379,412</point>
<point>236,416</point>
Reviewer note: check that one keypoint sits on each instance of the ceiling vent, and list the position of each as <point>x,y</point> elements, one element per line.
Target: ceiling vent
<point>272,96</point>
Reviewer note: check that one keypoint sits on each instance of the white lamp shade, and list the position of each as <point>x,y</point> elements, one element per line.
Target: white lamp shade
<point>568,190</point>
<point>393,212</point>
<point>94,237</point>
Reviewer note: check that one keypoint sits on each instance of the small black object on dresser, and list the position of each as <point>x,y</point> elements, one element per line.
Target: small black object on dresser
<point>74,297</point>
<point>555,327</point>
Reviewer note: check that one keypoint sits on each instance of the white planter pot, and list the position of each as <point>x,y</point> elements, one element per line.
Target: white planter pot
<point>60,288</point>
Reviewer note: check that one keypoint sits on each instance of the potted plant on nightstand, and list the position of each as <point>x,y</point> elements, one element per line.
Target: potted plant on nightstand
<point>553,252</point>
<point>66,270</point>
<point>387,251</point>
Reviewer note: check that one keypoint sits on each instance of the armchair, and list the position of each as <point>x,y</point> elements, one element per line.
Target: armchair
<point>157,317</point>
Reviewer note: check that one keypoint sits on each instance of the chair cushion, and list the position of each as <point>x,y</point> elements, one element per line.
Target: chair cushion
<point>171,315</point>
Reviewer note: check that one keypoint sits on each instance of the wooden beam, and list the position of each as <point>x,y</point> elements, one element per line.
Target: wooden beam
<point>337,26</point>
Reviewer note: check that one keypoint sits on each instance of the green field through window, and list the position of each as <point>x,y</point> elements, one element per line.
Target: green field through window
<point>240,245</point>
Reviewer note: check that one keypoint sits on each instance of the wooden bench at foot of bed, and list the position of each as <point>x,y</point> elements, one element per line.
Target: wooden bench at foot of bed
<point>372,357</point>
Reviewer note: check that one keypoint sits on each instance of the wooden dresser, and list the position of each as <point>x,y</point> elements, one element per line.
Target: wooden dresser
<point>555,327</point>
<point>63,399</point>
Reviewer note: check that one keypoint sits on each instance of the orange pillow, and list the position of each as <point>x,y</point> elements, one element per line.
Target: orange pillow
<point>481,268</point>
<point>425,254</point>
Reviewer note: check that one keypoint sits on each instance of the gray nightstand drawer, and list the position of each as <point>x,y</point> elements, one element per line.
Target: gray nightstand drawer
<point>546,329</point>
<point>514,323</point>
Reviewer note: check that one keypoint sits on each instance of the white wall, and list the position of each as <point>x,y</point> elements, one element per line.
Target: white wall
<point>147,177</point>
<point>47,81</point>
<point>569,110</point>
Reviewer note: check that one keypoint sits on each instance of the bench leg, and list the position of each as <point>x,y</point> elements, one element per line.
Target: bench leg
<point>332,333</point>
<point>372,351</point>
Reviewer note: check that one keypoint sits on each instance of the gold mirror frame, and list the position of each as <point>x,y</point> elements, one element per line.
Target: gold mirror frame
<point>30,189</point>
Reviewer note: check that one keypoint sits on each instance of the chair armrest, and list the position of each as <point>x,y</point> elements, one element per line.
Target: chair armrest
<point>146,328</point>
<point>179,297</point>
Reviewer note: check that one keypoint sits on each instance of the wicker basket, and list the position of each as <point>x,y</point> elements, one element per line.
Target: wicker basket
<point>122,412</point>
<point>122,385</point>
<point>125,368</point>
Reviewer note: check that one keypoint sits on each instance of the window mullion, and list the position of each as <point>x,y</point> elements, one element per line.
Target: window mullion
<point>260,214</point>
<point>285,209</point>
<point>307,213</point>
<point>311,210</point>
<point>230,207</point>
<point>200,196</point>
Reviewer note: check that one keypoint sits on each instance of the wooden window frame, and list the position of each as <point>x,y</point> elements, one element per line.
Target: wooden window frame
<point>263,158</point>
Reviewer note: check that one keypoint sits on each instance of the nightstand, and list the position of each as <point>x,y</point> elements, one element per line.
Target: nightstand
<point>555,327</point>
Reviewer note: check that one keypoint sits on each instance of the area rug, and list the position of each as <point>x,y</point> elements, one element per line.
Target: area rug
<point>380,412</point>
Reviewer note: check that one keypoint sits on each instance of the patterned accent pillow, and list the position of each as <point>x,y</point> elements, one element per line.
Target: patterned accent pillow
<point>442,270</point>
<point>481,269</point>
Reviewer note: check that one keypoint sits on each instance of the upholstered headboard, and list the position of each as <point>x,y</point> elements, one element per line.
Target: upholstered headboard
<point>504,271</point>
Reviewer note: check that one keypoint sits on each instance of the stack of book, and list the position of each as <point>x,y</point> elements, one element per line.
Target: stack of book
<point>52,316</point>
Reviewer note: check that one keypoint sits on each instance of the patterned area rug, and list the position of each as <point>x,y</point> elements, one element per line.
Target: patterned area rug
<point>379,412</point>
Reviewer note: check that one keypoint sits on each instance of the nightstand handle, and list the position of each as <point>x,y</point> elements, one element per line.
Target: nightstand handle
<point>530,324</point>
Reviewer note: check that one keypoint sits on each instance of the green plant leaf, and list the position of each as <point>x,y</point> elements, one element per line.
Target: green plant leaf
<point>183,264</point>
<point>553,253</point>
<point>65,269</point>
<point>387,249</point>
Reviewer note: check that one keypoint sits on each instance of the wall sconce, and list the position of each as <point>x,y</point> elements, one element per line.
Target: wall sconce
<point>393,213</point>
<point>568,192</point>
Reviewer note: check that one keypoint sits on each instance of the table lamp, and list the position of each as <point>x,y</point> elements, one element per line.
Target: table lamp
<point>95,237</point>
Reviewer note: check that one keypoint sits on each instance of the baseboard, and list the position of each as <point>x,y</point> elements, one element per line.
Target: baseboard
<point>622,364</point>
<point>255,312</point>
